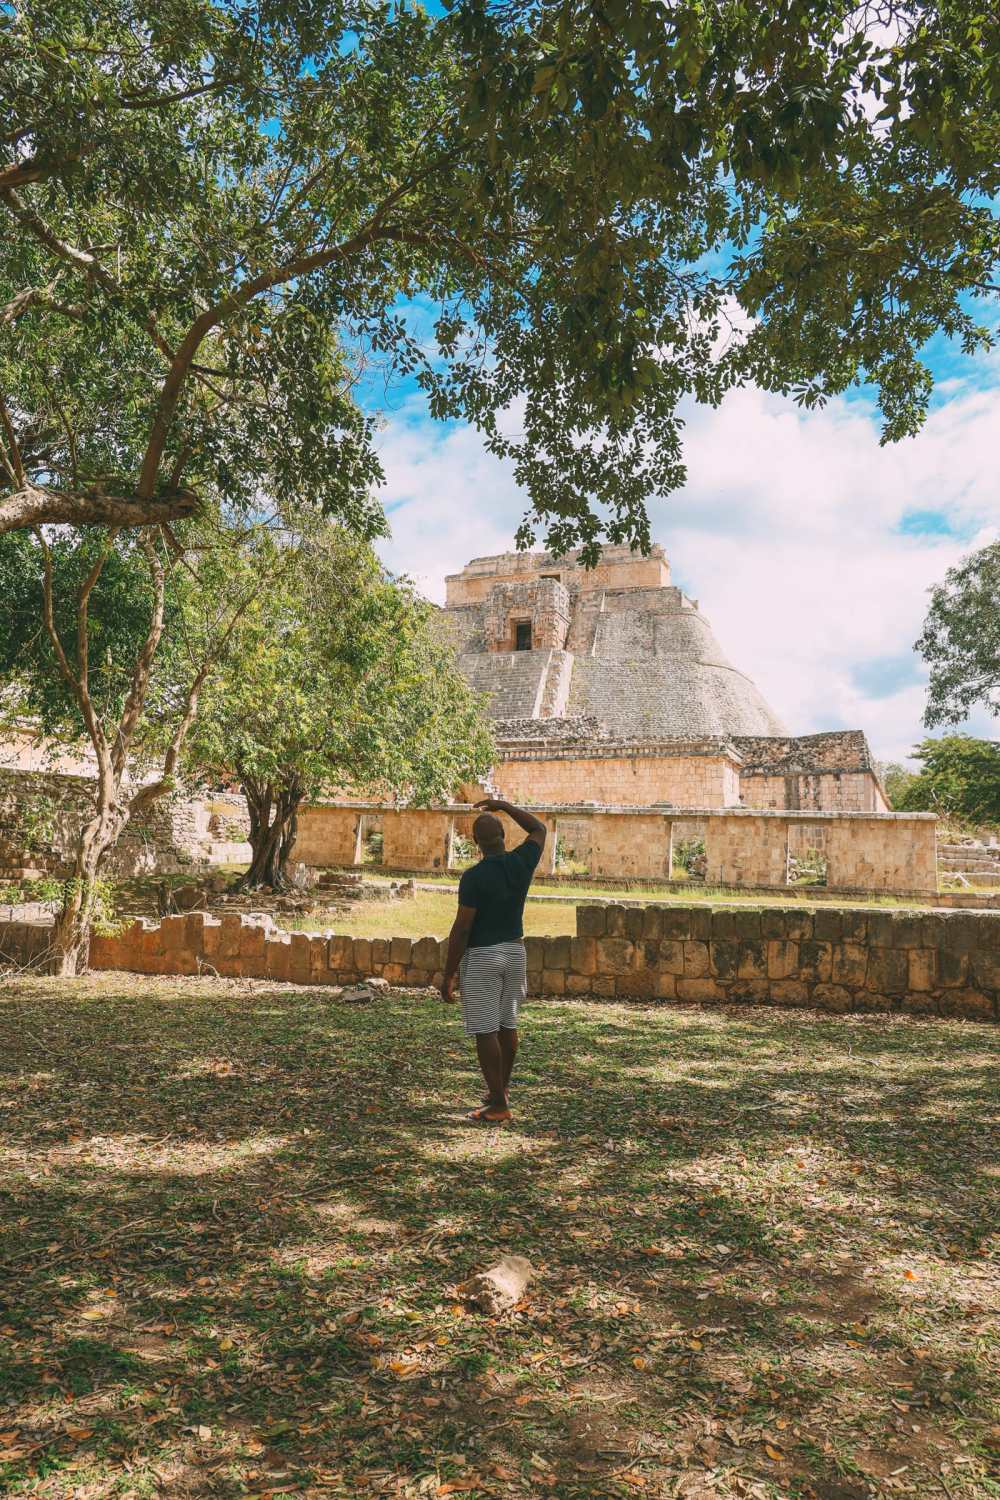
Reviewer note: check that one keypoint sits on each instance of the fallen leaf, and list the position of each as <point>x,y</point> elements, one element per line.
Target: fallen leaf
<point>773,1453</point>
<point>639,1363</point>
<point>694,1343</point>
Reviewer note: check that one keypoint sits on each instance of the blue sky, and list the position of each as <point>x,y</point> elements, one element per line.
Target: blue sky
<point>809,547</point>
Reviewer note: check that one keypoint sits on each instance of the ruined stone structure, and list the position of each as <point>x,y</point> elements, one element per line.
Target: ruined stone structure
<point>608,685</point>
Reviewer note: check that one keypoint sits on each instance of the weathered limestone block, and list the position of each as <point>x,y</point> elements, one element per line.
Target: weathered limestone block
<point>696,960</point>
<point>340,954</point>
<point>815,961</point>
<point>888,971</point>
<point>299,962</point>
<point>735,923</point>
<point>666,986</point>
<point>828,925</point>
<point>557,953</point>
<point>700,988</point>
<point>833,997</point>
<point>534,949</point>
<point>253,938</point>
<point>789,992</point>
<point>278,955</point>
<point>615,920</point>
<point>615,955</point>
<point>425,954</point>
<point>692,923</point>
<point>850,964</point>
<point>319,953</point>
<point>671,956</point>
<point>591,921</point>
<point>363,955</point>
<point>638,985</point>
<point>380,953</point>
<point>634,918</point>
<point>400,950</point>
<point>583,955</point>
<point>652,922</point>
<point>579,984</point>
<point>922,971</point>
<point>970,1003</point>
<point>782,959</point>
<point>778,922</point>
<point>724,959</point>
<point>984,969</point>
<point>553,981</point>
<point>748,992</point>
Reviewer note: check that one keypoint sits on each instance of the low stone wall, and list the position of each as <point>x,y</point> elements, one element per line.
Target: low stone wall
<point>924,963</point>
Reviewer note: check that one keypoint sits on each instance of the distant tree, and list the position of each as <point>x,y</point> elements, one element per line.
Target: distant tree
<point>959,776</point>
<point>960,640</point>
<point>338,678</point>
<point>896,780</point>
<point>611,208</point>
<point>85,614</point>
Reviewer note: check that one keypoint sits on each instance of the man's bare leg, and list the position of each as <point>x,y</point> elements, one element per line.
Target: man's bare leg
<point>508,1051</point>
<point>491,1062</point>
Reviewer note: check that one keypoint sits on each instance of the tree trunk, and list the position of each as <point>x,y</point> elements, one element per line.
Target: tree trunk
<point>71,933</point>
<point>273,825</point>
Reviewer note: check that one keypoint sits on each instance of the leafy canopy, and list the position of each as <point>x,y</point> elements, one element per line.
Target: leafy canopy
<point>218,217</point>
<point>960,640</point>
<point>337,677</point>
<point>959,776</point>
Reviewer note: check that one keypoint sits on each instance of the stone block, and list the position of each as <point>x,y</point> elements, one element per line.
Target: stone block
<point>724,959</point>
<point>340,954</point>
<point>752,960</point>
<point>815,961</point>
<point>696,960</point>
<point>174,930</point>
<point>634,918</point>
<point>922,970</point>
<point>789,992</point>
<point>984,970</point>
<point>534,948</point>
<point>919,1003</point>
<point>700,989</point>
<point>652,922</point>
<point>443,946</point>
<point>230,936</point>
<point>299,960</point>
<point>748,992</point>
<point>151,949</point>
<point>835,997</point>
<point>557,953</point>
<point>828,925</point>
<point>687,923</point>
<point>615,920</point>
<point>106,952</point>
<point>252,943</point>
<point>416,976</point>
<point>952,968</point>
<point>278,955</point>
<point>874,1000</point>
<point>400,950</point>
<point>380,953</point>
<point>583,955</point>
<point>647,954</point>
<point>318,953</point>
<point>782,959</point>
<point>735,923</point>
<point>615,955</point>
<point>194,931</point>
<point>426,955</point>
<point>850,964</point>
<point>666,986</point>
<point>604,986</point>
<point>363,955</point>
<point>579,984</point>
<point>854,926</point>
<point>671,958</point>
<point>394,973</point>
<point>553,981</point>
<point>888,971</point>
<point>591,921</point>
<point>211,938</point>
<point>639,985</point>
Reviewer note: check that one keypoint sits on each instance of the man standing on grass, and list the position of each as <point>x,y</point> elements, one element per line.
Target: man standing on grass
<point>486,947</point>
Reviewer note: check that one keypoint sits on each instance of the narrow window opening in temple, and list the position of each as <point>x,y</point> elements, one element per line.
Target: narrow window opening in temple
<point>522,635</point>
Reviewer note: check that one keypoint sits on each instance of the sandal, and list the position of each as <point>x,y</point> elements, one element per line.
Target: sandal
<point>489,1114</point>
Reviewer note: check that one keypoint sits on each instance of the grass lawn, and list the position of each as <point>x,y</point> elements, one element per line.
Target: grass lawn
<point>235,1214</point>
<point>430,914</point>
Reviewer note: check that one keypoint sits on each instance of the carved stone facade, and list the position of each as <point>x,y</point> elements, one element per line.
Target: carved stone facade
<point>607,685</point>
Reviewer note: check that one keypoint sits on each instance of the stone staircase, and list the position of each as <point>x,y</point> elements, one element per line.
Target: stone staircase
<point>969,864</point>
<point>553,687</point>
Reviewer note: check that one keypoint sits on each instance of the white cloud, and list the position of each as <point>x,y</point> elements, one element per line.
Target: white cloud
<point>786,533</point>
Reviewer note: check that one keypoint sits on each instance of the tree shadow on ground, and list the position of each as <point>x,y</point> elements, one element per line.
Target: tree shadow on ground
<point>235,1216</point>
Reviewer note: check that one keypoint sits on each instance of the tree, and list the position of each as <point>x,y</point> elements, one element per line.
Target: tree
<point>78,654</point>
<point>960,640</point>
<point>896,781</point>
<point>959,776</point>
<point>611,207</point>
<point>338,678</point>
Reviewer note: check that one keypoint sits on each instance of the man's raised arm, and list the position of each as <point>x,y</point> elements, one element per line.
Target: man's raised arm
<point>533,827</point>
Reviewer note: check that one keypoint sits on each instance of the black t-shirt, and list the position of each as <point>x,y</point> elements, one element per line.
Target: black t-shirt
<point>497,888</point>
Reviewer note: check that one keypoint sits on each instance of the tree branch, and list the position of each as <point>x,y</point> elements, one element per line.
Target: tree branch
<point>76,684</point>
<point>31,505</point>
<point>144,662</point>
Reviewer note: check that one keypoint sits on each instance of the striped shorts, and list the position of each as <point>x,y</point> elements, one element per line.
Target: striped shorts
<point>493,982</point>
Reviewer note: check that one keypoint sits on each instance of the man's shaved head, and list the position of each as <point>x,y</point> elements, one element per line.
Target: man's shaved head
<point>487,831</point>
